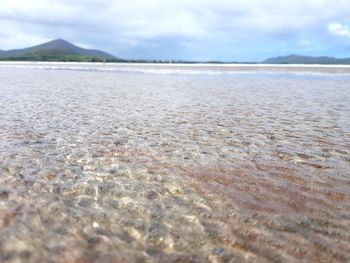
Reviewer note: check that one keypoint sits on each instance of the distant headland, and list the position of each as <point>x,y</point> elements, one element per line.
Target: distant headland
<point>57,50</point>
<point>60,50</point>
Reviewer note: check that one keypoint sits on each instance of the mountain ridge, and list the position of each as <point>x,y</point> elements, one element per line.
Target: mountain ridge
<point>299,59</point>
<point>62,50</point>
<point>56,50</point>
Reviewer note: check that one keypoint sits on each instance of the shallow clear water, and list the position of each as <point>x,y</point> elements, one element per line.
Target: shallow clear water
<point>122,163</point>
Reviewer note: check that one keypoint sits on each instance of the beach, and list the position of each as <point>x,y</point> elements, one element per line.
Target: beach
<point>174,163</point>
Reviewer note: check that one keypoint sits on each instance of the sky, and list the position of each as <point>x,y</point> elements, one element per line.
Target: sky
<point>201,30</point>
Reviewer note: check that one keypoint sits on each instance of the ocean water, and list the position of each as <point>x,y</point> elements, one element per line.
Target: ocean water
<point>174,163</point>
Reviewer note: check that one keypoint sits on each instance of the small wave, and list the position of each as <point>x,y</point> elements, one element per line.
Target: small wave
<point>285,71</point>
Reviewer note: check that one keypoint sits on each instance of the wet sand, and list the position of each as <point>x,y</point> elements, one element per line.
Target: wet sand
<point>150,163</point>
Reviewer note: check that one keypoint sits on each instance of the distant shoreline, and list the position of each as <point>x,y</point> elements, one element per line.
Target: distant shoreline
<point>60,50</point>
<point>189,64</point>
<point>182,68</point>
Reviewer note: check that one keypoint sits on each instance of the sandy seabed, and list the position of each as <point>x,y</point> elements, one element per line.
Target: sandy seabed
<point>146,163</point>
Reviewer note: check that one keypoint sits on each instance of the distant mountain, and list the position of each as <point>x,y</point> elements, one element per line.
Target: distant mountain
<point>295,59</point>
<point>56,50</point>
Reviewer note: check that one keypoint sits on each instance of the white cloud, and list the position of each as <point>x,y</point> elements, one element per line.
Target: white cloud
<point>339,29</point>
<point>118,25</point>
<point>12,36</point>
<point>188,18</point>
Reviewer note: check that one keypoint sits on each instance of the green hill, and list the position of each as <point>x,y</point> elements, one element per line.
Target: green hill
<point>295,59</point>
<point>57,50</point>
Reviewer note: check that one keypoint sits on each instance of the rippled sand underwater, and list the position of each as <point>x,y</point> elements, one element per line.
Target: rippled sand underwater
<point>121,163</point>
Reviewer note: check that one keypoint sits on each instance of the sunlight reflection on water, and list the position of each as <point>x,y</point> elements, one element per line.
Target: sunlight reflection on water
<point>132,165</point>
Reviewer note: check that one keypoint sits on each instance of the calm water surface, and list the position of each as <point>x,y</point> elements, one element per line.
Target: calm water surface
<point>141,163</point>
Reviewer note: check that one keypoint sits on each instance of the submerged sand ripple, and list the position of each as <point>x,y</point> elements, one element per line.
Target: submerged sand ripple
<point>131,167</point>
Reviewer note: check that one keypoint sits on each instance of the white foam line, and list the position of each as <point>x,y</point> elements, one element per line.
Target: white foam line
<point>165,69</point>
<point>179,64</point>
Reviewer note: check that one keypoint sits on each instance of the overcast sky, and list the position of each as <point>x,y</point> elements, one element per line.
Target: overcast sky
<point>228,30</point>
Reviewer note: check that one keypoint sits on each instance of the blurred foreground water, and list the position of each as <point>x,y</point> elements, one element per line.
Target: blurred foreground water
<point>141,163</point>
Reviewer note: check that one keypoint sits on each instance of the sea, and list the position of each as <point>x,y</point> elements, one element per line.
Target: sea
<point>103,162</point>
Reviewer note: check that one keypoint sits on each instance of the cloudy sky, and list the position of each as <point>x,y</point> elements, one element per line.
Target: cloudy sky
<point>227,30</point>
